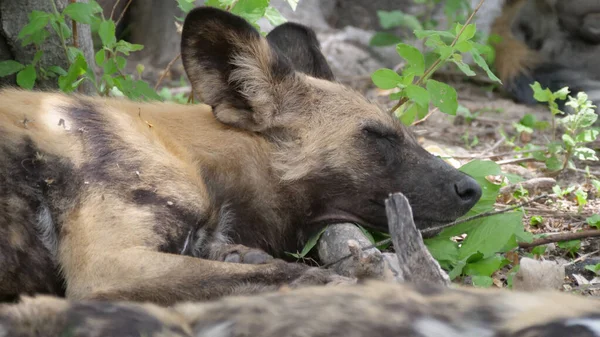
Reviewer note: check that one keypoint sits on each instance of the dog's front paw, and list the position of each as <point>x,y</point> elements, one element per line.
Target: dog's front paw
<point>319,276</point>
<point>241,254</point>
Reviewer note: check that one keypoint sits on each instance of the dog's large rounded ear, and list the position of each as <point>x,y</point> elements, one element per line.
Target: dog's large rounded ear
<point>233,68</point>
<point>301,46</point>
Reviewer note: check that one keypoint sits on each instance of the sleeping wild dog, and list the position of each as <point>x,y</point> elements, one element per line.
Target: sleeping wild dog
<point>104,198</point>
<point>556,43</point>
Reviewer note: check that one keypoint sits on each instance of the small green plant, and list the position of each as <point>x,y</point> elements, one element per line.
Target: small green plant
<point>571,247</point>
<point>593,221</point>
<point>415,90</point>
<point>559,153</point>
<point>536,220</point>
<point>111,56</point>
<point>594,268</point>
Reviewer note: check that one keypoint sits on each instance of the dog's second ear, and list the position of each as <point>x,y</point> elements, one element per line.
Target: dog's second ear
<point>301,46</point>
<point>233,68</point>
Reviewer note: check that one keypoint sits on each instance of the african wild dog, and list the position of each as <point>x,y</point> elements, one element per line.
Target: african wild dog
<point>374,309</point>
<point>553,42</point>
<point>113,199</point>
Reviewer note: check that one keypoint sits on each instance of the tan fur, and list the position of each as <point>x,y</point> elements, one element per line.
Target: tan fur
<point>513,56</point>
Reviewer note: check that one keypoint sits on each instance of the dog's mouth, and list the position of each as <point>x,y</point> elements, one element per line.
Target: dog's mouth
<point>338,216</point>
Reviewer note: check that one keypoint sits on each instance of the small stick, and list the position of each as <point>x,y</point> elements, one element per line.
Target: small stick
<point>485,214</point>
<point>112,13</point>
<point>167,68</point>
<point>123,13</point>
<point>561,237</point>
<point>481,215</point>
<point>74,29</point>
<point>424,118</point>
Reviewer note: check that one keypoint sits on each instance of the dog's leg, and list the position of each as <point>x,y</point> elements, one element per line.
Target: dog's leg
<point>111,250</point>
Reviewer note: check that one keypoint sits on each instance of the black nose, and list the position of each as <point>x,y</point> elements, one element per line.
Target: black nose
<point>468,191</point>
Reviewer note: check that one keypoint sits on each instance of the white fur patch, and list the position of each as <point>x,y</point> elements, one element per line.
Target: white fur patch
<point>590,323</point>
<point>429,327</point>
<point>46,230</point>
<point>223,329</point>
<point>54,120</point>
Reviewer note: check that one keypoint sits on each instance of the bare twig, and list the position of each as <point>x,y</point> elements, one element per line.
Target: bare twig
<point>494,155</point>
<point>432,229</point>
<point>494,147</point>
<point>74,29</point>
<point>424,118</point>
<point>123,12</point>
<point>112,12</point>
<point>515,160</point>
<point>485,214</point>
<point>167,68</point>
<point>594,173</point>
<point>560,237</point>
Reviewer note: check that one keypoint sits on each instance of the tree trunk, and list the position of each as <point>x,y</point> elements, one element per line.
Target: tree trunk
<point>14,16</point>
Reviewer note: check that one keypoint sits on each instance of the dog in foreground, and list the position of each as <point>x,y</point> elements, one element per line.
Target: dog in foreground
<point>376,309</point>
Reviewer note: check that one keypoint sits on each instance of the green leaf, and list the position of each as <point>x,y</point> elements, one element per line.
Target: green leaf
<point>57,70</point>
<point>483,65</point>
<point>187,5</point>
<point>37,22</point>
<point>293,4</point>
<point>443,96</point>
<point>409,116</point>
<point>71,80</point>
<point>485,267</point>
<point>382,39</point>
<point>587,136</point>
<point>251,10</point>
<point>386,78</point>
<point>366,233</point>
<point>482,281</point>
<point>310,244</point>
<point>553,164</point>
<point>417,94</point>
<point>594,268</point>
<point>585,153</point>
<point>594,220</point>
<point>100,57</point>
<point>536,220</point>
<point>539,250</point>
<point>393,19</point>
<point>464,67</point>
<point>126,47</point>
<point>421,34</point>
<point>443,249</point>
<point>416,61</point>
<point>106,30</point>
<point>568,140</point>
<point>570,246</point>
<point>539,94</point>
<point>468,33</point>
<point>10,67</point>
<point>274,16</point>
<point>487,237</point>
<point>457,270</point>
<point>82,12</point>
<point>26,77</point>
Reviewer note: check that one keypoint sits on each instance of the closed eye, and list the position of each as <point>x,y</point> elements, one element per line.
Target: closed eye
<point>379,131</point>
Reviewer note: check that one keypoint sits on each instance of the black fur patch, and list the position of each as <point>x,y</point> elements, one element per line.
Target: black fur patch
<point>300,45</point>
<point>29,179</point>
<point>173,222</point>
<point>108,319</point>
